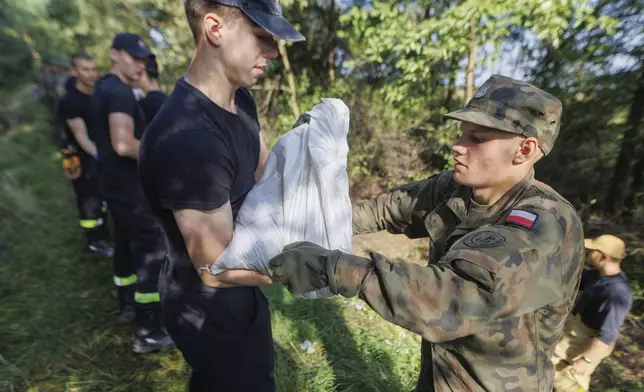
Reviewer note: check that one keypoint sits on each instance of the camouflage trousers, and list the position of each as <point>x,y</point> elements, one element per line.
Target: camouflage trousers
<point>577,338</point>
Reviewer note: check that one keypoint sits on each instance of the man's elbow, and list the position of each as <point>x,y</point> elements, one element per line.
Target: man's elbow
<point>608,338</point>
<point>121,148</point>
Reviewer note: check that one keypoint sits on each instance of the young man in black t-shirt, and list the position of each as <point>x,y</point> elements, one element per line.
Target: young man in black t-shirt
<point>73,114</point>
<point>119,124</point>
<point>154,97</point>
<point>198,159</point>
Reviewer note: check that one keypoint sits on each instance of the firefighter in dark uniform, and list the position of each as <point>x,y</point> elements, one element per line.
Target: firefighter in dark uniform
<point>140,242</point>
<point>79,153</point>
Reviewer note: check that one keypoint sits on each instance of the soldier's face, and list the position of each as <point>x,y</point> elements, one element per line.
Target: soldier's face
<point>485,157</point>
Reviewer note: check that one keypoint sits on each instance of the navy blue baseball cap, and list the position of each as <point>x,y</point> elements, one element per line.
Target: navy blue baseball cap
<point>268,15</point>
<point>131,43</point>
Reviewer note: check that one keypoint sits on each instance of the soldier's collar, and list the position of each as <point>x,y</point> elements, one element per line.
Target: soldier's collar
<point>460,199</point>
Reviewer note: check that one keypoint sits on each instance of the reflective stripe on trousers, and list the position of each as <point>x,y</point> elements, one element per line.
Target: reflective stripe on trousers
<point>146,298</point>
<point>125,280</point>
<point>91,223</point>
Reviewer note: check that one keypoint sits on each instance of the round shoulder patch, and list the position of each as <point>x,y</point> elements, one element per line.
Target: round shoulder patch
<point>484,239</point>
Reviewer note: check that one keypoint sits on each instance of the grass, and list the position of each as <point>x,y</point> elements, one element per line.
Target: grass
<point>57,305</point>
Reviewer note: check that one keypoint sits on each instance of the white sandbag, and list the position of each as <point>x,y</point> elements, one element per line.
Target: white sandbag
<point>303,194</point>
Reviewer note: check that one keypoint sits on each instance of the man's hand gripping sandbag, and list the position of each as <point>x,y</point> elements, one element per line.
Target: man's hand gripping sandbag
<point>303,195</point>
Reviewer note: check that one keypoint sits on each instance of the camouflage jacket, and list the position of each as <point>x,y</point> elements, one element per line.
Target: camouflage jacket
<point>492,302</point>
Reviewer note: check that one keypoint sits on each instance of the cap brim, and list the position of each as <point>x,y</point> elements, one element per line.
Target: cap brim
<point>139,53</point>
<point>590,244</point>
<point>274,24</point>
<point>479,117</point>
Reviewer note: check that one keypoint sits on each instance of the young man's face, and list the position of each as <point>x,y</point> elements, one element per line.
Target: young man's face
<point>594,258</point>
<point>130,67</point>
<point>246,50</point>
<point>85,72</point>
<point>484,157</point>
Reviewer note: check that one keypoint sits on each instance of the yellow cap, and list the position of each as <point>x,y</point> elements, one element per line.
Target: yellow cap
<point>608,245</point>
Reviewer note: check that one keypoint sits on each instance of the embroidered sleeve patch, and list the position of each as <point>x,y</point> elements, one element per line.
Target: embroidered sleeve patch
<point>484,239</point>
<point>522,218</point>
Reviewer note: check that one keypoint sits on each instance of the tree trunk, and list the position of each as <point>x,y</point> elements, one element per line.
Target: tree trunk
<point>290,78</point>
<point>268,98</point>
<point>637,176</point>
<point>333,16</point>
<point>332,66</point>
<point>471,64</point>
<point>619,181</point>
<point>451,89</point>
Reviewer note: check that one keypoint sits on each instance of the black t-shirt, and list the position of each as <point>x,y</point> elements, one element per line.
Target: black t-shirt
<point>113,96</point>
<point>197,155</point>
<point>70,82</point>
<point>76,104</point>
<point>151,104</point>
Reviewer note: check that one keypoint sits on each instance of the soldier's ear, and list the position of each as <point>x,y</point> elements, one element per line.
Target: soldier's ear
<point>528,151</point>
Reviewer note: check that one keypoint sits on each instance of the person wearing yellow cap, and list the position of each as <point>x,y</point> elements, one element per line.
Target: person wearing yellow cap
<point>593,327</point>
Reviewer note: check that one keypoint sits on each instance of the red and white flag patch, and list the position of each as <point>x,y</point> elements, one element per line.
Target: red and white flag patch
<point>522,218</point>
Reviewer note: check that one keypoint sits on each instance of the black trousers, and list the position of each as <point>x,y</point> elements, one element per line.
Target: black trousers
<point>225,336</point>
<point>92,210</point>
<point>140,248</point>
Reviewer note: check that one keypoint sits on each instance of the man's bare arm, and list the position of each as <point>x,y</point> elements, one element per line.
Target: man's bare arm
<point>597,350</point>
<point>79,129</point>
<point>263,156</point>
<point>122,135</point>
<point>206,234</point>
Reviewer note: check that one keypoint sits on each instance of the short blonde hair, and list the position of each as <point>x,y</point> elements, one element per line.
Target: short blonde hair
<point>196,9</point>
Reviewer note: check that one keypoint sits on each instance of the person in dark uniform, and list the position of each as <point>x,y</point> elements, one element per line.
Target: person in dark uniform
<point>140,244</point>
<point>199,158</point>
<point>73,113</point>
<point>154,97</point>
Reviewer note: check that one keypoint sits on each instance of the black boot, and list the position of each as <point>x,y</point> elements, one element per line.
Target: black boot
<point>127,311</point>
<point>100,247</point>
<point>150,334</point>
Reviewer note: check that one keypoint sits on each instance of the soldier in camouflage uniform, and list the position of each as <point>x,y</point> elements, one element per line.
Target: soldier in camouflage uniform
<point>506,251</point>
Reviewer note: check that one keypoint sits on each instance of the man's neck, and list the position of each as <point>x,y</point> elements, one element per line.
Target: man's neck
<point>115,71</point>
<point>206,75</point>
<point>153,85</point>
<point>490,195</point>
<point>87,90</point>
<point>610,269</point>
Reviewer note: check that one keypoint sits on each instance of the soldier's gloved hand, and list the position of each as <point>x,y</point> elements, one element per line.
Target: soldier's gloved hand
<point>303,267</point>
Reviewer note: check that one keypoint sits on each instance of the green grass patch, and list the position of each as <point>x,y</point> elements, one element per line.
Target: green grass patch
<point>57,305</point>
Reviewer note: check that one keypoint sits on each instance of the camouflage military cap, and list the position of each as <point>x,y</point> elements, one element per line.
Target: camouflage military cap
<point>514,106</point>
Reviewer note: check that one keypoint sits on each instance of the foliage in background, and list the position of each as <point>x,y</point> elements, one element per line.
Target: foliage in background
<point>398,65</point>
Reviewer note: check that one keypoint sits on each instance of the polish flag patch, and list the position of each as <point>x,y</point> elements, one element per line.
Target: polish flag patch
<point>522,218</point>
